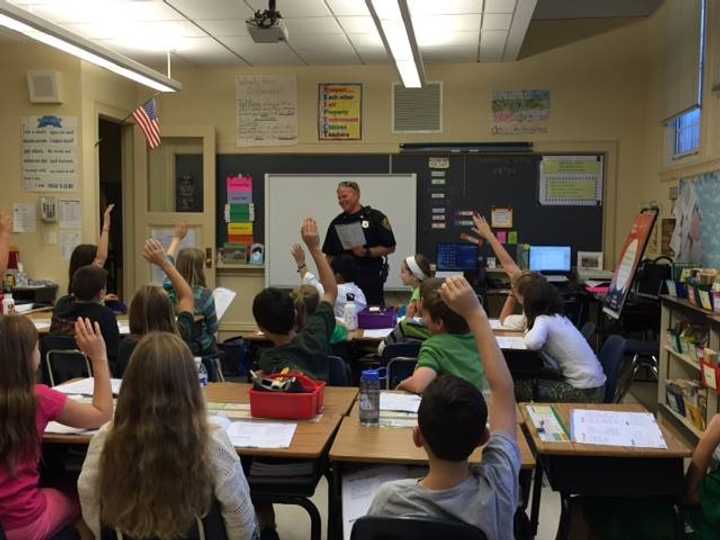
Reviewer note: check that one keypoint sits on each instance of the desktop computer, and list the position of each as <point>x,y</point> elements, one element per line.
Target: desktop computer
<point>552,261</point>
<point>453,258</point>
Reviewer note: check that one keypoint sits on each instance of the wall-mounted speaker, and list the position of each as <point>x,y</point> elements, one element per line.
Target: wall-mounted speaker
<point>44,86</point>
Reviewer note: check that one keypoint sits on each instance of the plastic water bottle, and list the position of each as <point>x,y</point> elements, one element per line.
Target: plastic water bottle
<point>350,314</point>
<point>8,304</point>
<point>370,397</point>
<point>202,372</point>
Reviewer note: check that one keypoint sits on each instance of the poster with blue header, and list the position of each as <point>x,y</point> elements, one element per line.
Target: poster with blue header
<point>51,161</point>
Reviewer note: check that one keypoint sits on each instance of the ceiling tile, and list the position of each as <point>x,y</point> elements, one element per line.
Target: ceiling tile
<point>500,6</point>
<point>444,7</point>
<point>493,38</point>
<point>370,48</point>
<point>208,51</point>
<point>151,36</point>
<point>262,54</point>
<point>324,49</point>
<point>312,25</point>
<point>293,8</point>
<point>458,47</point>
<point>224,27</point>
<point>358,25</point>
<point>348,7</point>
<point>490,56</point>
<point>497,21</point>
<point>215,9</point>
<point>151,11</point>
<point>440,29</point>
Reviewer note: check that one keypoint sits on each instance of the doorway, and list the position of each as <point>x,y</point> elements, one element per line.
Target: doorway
<point>111,192</point>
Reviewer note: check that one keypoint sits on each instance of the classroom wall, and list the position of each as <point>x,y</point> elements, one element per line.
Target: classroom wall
<point>87,91</point>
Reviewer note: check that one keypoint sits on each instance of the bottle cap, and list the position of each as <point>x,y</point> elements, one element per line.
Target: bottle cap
<point>350,297</point>
<point>198,361</point>
<point>370,375</point>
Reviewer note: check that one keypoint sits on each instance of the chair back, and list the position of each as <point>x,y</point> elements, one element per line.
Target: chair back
<point>588,331</point>
<point>398,369</point>
<point>612,356</point>
<point>63,360</point>
<point>405,528</point>
<point>212,528</point>
<point>408,349</point>
<point>339,372</point>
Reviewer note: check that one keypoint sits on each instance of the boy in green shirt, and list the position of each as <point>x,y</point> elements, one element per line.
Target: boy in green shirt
<point>450,349</point>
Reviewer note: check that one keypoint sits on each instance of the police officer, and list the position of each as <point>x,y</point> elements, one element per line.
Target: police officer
<point>379,241</point>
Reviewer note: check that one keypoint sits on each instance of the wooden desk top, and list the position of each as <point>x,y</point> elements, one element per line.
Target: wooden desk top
<point>675,447</point>
<point>310,440</point>
<point>359,444</point>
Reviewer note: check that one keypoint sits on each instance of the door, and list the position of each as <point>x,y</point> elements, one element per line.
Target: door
<point>175,183</point>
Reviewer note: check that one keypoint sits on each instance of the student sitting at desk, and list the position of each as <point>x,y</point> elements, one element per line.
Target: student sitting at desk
<point>5,235</point>
<point>88,291</point>
<point>412,329</point>
<point>274,310</point>
<point>413,271</point>
<point>451,424</point>
<point>28,511</point>
<point>158,465</point>
<point>152,311</point>
<point>450,349</point>
<point>191,265</point>
<point>344,268</point>
<point>703,489</point>
<point>563,348</point>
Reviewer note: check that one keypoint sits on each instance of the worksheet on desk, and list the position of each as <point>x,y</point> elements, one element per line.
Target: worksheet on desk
<point>511,342</point>
<point>616,428</point>
<point>397,401</point>
<point>86,386</point>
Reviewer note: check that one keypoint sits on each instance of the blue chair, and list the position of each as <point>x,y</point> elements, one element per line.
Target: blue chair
<point>398,369</point>
<point>405,528</point>
<point>612,358</point>
<point>339,372</point>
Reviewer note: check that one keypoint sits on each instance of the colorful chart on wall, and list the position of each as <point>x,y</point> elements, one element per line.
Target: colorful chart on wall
<point>695,238</point>
<point>571,181</point>
<point>517,112</point>
<point>340,112</point>
<point>630,256</point>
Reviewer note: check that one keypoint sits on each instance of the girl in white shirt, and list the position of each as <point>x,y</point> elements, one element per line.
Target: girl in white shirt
<point>563,348</point>
<point>158,465</point>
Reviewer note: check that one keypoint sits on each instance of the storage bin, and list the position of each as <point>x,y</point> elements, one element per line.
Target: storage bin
<point>289,405</point>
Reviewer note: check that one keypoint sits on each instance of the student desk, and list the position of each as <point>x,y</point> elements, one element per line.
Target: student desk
<point>42,323</point>
<point>604,471</point>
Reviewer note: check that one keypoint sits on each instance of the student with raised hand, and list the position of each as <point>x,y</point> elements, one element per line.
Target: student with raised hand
<point>274,311</point>
<point>703,485</point>
<point>158,465</point>
<point>190,262</point>
<point>451,424</point>
<point>27,511</point>
<point>5,235</point>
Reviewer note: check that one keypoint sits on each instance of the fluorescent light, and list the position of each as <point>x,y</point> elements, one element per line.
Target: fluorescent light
<point>394,24</point>
<point>55,36</point>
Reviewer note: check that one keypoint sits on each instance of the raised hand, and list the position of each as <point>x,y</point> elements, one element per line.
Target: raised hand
<point>89,339</point>
<point>298,254</point>
<point>154,253</point>
<point>106,216</point>
<point>310,233</point>
<point>180,231</point>
<point>482,227</point>
<point>471,239</point>
<point>457,293</point>
<point>5,222</point>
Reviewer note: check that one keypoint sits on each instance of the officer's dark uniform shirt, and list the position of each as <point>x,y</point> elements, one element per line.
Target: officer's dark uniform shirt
<point>378,232</point>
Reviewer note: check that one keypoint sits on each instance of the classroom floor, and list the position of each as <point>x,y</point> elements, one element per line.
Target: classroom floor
<point>294,524</point>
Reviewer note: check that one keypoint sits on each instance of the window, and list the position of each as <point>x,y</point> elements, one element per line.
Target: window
<point>686,126</point>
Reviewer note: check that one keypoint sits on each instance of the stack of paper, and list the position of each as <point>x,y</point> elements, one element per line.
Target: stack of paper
<point>511,343</point>
<point>396,401</point>
<point>614,428</point>
<point>86,386</point>
<point>61,429</point>
<point>254,434</point>
<point>377,333</point>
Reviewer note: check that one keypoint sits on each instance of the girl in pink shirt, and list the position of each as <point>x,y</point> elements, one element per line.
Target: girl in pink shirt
<point>27,511</point>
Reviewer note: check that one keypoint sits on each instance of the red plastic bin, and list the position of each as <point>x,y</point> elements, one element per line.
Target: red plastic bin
<point>286,405</point>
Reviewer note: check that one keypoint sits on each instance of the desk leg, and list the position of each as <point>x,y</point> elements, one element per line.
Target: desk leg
<point>536,493</point>
<point>335,523</point>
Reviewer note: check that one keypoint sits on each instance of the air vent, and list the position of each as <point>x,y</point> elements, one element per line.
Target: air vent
<point>417,110</point>
<point>44,86</point>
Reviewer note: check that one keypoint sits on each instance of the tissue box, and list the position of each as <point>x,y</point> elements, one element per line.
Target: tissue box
<point>374,317</point>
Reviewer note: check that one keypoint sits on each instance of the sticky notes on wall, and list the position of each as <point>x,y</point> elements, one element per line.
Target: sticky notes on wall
<point>501,236</point>
<point>512,238</point>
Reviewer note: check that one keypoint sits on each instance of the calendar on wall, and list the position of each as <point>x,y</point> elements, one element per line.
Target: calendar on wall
<point>571,180</point>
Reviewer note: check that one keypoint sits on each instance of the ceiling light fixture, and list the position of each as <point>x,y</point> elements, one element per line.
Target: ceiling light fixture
<point>393,21</point>
<point>50,34</point>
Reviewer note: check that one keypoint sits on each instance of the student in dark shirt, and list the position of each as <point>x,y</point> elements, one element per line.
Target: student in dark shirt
<point>88,290</point>
<point>151,309</point>
<point>274,310</point>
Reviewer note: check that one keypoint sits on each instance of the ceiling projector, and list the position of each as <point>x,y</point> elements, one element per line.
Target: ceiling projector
<point>267,26</point>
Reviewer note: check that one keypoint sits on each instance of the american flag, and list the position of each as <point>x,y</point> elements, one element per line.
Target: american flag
<point>146,117</point>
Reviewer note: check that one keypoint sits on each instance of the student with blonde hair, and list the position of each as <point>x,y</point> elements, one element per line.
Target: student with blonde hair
<point>156,468</point>
<point>27,511</point>
<point>190,262</point>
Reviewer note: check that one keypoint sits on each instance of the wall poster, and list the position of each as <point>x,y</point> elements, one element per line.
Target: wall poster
<point>340,111</point>
<point>266,110</point>
<point>520,111</point>
<point>50,153</point>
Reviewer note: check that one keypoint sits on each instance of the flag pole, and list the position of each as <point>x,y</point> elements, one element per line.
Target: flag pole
<point>156,94</point>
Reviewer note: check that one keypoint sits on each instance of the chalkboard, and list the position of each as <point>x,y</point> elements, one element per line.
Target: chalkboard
<point>472,181</point>
<point>257,165</point>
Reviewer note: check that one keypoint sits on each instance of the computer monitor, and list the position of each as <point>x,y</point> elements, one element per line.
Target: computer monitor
<point>456,257</point>
<point>550,258</point>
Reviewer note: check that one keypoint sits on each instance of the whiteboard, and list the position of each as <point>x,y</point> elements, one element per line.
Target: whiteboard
<point>290,198</point>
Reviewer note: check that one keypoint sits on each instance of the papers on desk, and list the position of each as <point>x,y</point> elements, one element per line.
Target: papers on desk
<point>59,429</point>
<point>615,428</point>
<point>396,401</point>
<point>252,434</point>
<point>359,489</point>
<point>378,333</point>
<point>495,324</point>
<point>86,386</point>
<point>547,424</point>
<point>124,328</point>
<point>511,343</point>
<point>42,325</point>
<point>223,298</point>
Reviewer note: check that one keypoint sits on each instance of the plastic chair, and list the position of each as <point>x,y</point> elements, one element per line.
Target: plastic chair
<point>398,369</point>
<point>588,331</point>
<point>409,349</point>
<point>339,372</point>
<point>406,528</point>
<point>612,357</point>
<point>212,524</point>
<point>63,360</point>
